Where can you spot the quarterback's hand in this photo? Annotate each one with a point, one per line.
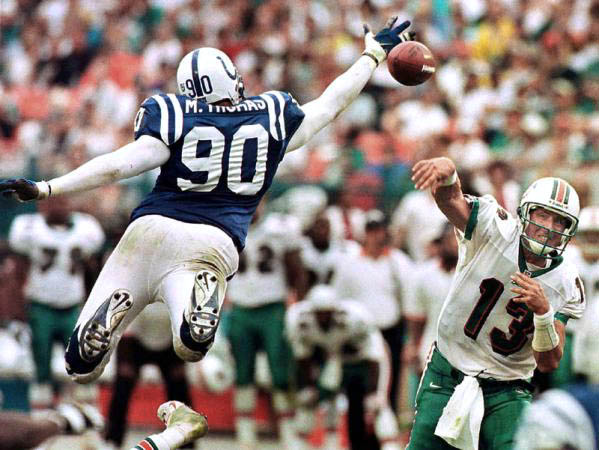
(20, 189)
(431, 173)
(383, 42)
(529, 292)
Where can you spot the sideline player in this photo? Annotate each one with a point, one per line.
(59, 243)
(337, 346)
(269, 268)
(511, 282)
(218, 152)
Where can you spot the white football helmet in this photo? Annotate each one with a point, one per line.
(209, 75)
(588, 230)
(216, 373)
(556, 195)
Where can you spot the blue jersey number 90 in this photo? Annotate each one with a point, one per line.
(212, 164)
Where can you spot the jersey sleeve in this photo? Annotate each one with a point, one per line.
(488, 221)
(92, 235)
(160, 116)
(575, 303)
(288, 114)
(21, 233)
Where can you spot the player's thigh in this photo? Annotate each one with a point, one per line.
(502, 417)
(186, 250)
(275, 344)
(128, 268)
(431, 398)
(244, 343)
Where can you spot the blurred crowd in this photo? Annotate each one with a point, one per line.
(516, 81)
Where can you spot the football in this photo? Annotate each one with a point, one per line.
(411, 63)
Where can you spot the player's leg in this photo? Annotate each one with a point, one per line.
(183, 426)
(503, 410)
(130, 357)
(244, 346)
(42, 322)
(377, 378)
(194, 281)
(434, 391)
(122, 290)
(172, 369)
(278, 352)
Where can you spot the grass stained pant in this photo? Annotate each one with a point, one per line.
(504, 402)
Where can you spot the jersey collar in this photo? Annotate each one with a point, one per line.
(535, 273)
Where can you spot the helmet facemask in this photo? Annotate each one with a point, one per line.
(543, 247)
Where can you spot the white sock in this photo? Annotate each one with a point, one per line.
(169, 439)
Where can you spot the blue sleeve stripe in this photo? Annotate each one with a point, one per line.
(272, 117)
(281, 100)
(163, 118)
(178, 117)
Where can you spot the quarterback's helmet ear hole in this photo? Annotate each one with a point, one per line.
(213, 279)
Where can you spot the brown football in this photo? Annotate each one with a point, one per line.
(411, 63)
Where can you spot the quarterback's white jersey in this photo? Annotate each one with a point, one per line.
(56, 274)
(352, 334)
(481, 331)
(425, 300)
(261, 278)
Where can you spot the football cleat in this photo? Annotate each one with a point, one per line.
(97, 332)
(203, 312)
(190, 424)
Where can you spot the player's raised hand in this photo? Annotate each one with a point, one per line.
(20, 189)
(529, 292)
(431, 173)
(382, 43)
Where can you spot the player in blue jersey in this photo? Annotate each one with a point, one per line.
(218, 152)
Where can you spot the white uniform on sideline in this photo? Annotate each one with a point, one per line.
(261, 276)
(56, 276)
(429, 289)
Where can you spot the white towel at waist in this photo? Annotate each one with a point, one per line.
(459, 424)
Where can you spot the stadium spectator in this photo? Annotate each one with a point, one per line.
(483, 354)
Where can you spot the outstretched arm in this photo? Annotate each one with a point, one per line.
(440, 175)
(144, 154)
(345, 88)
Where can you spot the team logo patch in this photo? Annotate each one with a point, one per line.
(502, 213)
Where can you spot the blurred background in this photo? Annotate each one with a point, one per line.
(515, 97)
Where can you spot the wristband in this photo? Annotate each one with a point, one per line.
(44, 188)
(370, 55)
(545, 337)
(451, 179)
